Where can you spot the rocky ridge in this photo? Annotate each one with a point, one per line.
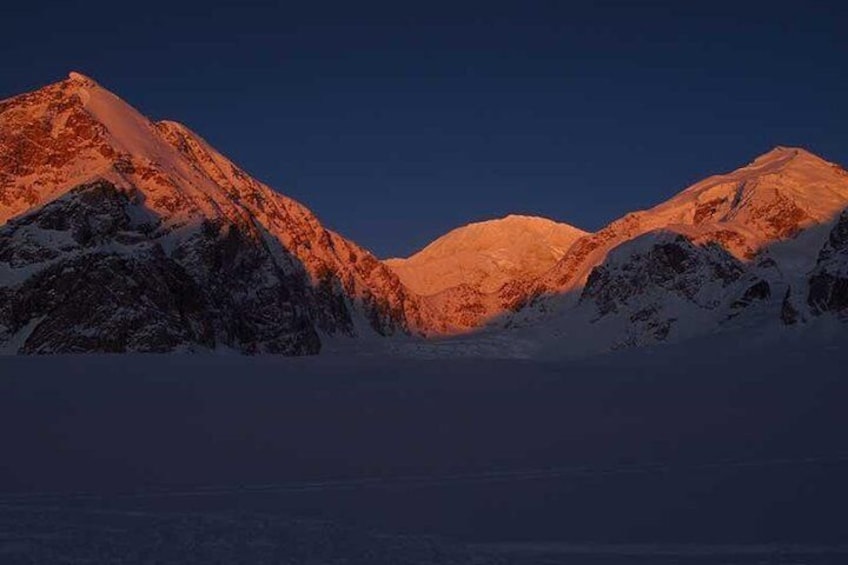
(122, 234)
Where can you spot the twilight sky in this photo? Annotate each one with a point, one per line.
(397, 121)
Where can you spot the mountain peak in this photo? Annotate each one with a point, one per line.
(512, 222)
(782, 155)
(77, 77)
(523, 219)
(779, 154)
(783, 150)
(93, 182)
(487, 254)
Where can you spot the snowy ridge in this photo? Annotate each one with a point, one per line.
(86, 179)
(122, 234)
(782, 193)
(467, 275)
(487, 254)
(620, 287)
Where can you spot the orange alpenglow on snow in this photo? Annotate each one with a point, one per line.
(180, 208)
(487, 255)
(158, 242)
(778, 195)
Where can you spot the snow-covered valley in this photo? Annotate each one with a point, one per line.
(721, 450)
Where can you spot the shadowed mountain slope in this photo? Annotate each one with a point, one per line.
(124, 234)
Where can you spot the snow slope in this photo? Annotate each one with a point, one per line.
(771, 218)
(87, 181)
(656, 275)
(487, 255)
(773, 199)
(468, 276)
(122, 234)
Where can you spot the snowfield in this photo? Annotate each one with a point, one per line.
(727, 449)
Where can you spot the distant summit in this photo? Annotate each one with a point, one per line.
(487, 254)
(80, 78)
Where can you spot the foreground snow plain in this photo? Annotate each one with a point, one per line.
(727, 449)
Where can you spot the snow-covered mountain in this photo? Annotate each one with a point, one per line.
(121, 234)
(744, 248)
(487, 255)
(467, 275)
(780, 194)
(124, 234)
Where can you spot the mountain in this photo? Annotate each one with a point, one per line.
(467, 274)
(780, 194)
(121, 234)
(828, 282)
(758, 247)
(487, 255)
(764, 222)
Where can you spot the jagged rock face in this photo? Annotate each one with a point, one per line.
(763, 218)
(101, 281)
(828, 290)
(774, 198)
(107, 303)
(649, 286)
(330, 260)
(760, 290)
(47, 140)
(120, 234)
(670, 264)
(87, 181)
(789, 314)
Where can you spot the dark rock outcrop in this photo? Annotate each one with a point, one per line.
(113, 288)
(829, 281)
(120, 234)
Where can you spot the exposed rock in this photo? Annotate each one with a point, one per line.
(781, 193)
(789, 315)
(829, 281)
(669, 264)
(760, 290)
(646, 288)
(120, 234)
(125, 235)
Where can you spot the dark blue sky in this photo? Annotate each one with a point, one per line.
(396, 121)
